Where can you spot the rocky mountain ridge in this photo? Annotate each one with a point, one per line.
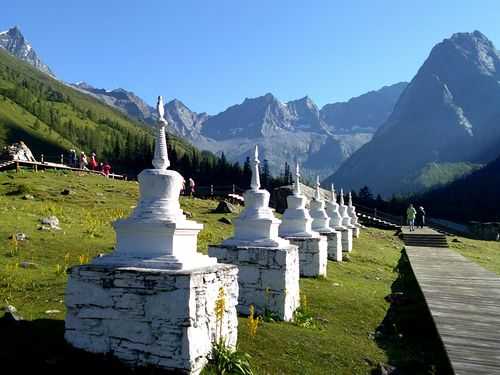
(448, 114)
(14, 42)
(285, 131)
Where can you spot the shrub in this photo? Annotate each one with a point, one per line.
(302, 316)
(225, 360)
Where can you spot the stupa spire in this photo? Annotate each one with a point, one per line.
(341, 197)
(318, 194)
(160, 160)
(255, 183)
(296, 187)
(334, 196)
(350, 200)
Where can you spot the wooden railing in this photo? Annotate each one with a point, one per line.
(43, 163)
(216, 190)
(374, 212)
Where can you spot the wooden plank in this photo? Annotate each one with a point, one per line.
(464, 301)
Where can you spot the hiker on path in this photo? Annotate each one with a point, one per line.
(93, 162)
(191, 186)
(183, 189)
(73, 160)
(83, 161)
(106, 169)
(420, 217)
(410, 216)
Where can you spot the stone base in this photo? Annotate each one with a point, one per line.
(146, 317)
(346, 240)
(355, 232)
(335, 245)
(268, 278)
(313, 255)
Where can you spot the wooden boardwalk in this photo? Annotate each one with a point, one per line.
(464, 301)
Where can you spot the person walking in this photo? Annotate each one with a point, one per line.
(106, 169)
(191, 187)
(83, 161)
(73, 163)
(183, 189)
(93, 162)
(420, 217)
(410, 216)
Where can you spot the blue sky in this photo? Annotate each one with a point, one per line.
(213, 54)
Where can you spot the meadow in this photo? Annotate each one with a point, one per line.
(352, 328)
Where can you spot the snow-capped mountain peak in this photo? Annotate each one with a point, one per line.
(14, 42)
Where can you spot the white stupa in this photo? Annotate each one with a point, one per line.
(351, 211)
(332, 210)
(321, 221)
(297, 221)
(256, 226)
(346, 219)
(157, 235)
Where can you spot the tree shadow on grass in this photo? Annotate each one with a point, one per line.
(408, 334)
(39, 345)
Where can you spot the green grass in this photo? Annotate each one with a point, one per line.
(485, 253)
(348, 306)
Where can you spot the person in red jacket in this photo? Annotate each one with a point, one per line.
(106, 169)
(93, 162)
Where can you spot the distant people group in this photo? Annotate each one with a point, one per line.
(83, 162)
(415, 217)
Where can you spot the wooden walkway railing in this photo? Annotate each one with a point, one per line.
(464, 301)
(11, 164)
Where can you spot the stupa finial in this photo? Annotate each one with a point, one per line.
(296, 186)
(255, 183)
(318, 194)
(334, 196)
(160, 160)
(341, 197)
(350, 199)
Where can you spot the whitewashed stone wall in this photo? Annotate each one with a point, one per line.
(313, 255)
(335, 245)
(268, 277)
(346, 240)
(150, 317)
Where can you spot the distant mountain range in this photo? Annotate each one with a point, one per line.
(401, 138)
(320, 139)
(448, 116)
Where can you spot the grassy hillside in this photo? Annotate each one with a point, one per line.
(485, 253)
(354, 328)
(437, 174)
(472, 197)
(52, 117)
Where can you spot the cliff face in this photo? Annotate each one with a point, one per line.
(449, 113)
